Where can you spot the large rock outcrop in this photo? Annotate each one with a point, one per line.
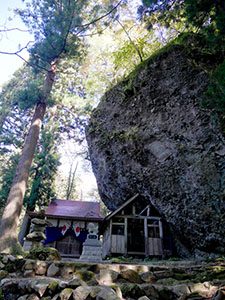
(150, 135)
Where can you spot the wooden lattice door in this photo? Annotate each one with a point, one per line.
(69, 246)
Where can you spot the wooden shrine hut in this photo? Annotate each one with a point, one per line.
(136, 228)
(69, 222)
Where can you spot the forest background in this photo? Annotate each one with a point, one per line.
(79, 50)
(67, 173)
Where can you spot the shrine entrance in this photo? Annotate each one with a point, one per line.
(69, 246)
(135, 236)
(135, 228)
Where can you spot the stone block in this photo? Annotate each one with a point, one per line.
(3, 274)
(24, 297)
(66, 294)
(40, 267)
(107, 293)
(53, 270)
(33, 297)
(148, 277)
(81, 293)
(29, 273)
(108, 276)
(131, 276)
(29, 265)
(67, 271)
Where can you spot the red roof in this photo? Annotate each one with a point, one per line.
(74, 209)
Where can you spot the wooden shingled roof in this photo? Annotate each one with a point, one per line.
(74, 209)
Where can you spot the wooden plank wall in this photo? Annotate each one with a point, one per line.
(118, 244)
(155, 246)
(106, 246)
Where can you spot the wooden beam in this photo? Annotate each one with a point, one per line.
(147, 207)
(133, 209)
(160, 229)
(125, 236)
(146, 236)
(139, 217)
(161, 237)
(121, 207)
(110, 236)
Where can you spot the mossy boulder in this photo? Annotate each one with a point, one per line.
(67, 270)
(44, 253)
(131, 290)
(75, 282)
(85, 275)
(66, 294)
(131, 276)
(148, 277)
(53, 287)
(3, 274)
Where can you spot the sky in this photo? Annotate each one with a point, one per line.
(10, 41)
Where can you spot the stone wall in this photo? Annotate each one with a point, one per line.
(34, 279)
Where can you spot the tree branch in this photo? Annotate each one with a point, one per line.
(103, 16)
(18, 51)
(13, 29)
(132, 42)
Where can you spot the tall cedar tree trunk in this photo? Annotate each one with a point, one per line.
(14, 204)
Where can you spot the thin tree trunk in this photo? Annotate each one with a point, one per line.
(132, 42)
(24, 228)
(10, 217)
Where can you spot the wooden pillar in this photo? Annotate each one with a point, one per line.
(110, 236)
(125, 235)
(161, 237)
(160, 229)
(55, 243)
(146, 236)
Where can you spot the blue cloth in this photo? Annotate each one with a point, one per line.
(82, 236)
(55, 234)
(52, 234)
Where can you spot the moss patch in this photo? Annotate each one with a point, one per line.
(44, 253)
(132, 291)
(3, 274)
(53, 286)
(1, 295)
(85, 275)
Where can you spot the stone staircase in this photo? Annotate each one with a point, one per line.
(35, 279)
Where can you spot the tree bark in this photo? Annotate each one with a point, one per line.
(11, 214)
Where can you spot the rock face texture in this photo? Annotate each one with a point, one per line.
(150, 135)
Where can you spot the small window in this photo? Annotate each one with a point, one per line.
(118, 220)
(153, 222)
(118, 229)
(153, 232)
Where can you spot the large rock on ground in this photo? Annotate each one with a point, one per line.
(150, 135)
